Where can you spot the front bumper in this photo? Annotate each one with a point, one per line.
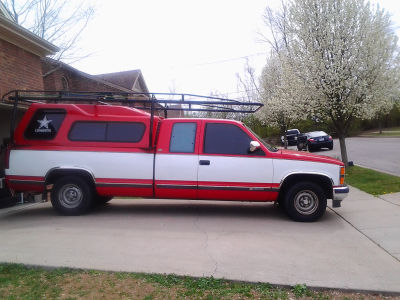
(327, 144)
(340, 192)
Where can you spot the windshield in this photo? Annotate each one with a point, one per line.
(268, 146)
(292, 131)
(316, 133)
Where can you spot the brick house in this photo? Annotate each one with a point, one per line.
(20, 64)
(20, 53)
(24, 66)
(58, 76)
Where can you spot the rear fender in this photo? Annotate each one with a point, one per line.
(54, 174)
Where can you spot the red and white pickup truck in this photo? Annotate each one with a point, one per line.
(88, 153)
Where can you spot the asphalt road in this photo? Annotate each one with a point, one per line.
(240, 241)
(382, 154)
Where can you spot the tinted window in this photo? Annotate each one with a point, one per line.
(45, 124)
(183, 137)
(125, 132)
(293, 131)
(88, 131)
(226, 139)
(107, 132)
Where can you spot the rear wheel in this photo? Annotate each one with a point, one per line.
(305, 202)
(71, 196)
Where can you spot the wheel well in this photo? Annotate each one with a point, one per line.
(323, 181)
(56, 174)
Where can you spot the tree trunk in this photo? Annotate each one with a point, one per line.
(343, 150)
(285, 142)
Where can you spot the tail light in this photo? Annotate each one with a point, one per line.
(311, 140)
(330, 138)
(342, 172)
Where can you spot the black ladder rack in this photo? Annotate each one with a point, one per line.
(146, 101)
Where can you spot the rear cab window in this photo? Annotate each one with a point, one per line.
(183, 138)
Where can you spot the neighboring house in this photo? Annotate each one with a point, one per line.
(58, 76)
(132, 80)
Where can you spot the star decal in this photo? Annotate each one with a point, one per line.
(44, 123)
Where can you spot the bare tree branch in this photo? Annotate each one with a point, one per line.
(58, 21)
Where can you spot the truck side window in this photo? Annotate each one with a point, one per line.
(45, 124)
(183, 137)
(123, 132)
(88, 131)
(226, 139)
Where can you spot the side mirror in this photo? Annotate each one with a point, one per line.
(254, 145)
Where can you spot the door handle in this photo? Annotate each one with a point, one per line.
(204, 162)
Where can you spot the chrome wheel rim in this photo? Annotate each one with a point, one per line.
(306, 202)
(70, 196)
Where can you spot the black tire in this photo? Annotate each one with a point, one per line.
(309, 148)
(330, 147)
(301, 146)
(6, 200)
(305, 202)
(101, 200)
(72, 196)
(281, 202)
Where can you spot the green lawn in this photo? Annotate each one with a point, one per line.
(371, 181)
(20, 282)
(386, 132)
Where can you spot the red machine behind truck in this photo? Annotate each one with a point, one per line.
(88, 153)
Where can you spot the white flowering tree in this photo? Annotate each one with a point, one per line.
(280, 89)
(346, 55)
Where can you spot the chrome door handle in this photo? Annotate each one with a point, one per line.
(204, 162)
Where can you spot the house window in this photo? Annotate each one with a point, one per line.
(123, 132)
(65, 85)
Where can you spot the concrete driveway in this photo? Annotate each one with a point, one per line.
(242, 241)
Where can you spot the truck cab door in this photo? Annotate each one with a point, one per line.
(176, 159)
(228, 170)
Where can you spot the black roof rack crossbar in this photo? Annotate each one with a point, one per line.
(154, 101)
(194, 101)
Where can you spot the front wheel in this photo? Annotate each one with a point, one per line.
(305, 202)
(71, 196)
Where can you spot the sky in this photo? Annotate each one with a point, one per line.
(182, 46)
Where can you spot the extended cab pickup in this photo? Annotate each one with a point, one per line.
(85, 153)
